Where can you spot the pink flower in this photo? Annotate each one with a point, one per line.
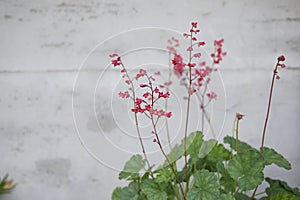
(146, 95)
(281, 58)
(191, 91)
(201, 44)
(189, 48)
(128, 82)
(164, 95)
(194, 24)
(219, 42)
(197, 55)
(147, 107)
(211, 95)
(138, 101)
(186, 35)
(141, 73)
(143, 85)
(124, 94)
(113, 55)
(191, 64)
(282, 65)
(168, 114)
(135, 110)
(178, 64)
(117, 61)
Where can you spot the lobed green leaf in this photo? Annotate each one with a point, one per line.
(278, 186)
(272, 157)
(247, 168)
(205, 186)
(243, 146)
(152, 190)
(130, 192)
(132, 168)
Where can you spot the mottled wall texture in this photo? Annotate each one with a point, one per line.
(43, 43)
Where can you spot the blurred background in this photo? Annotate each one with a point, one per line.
(44, 43)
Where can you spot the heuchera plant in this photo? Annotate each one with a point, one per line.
(210, 170)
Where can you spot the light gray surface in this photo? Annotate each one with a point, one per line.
(44, 42)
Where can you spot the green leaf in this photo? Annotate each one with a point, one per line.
(228, 183)
(175, 154)
(206, 148)
(205, 186)
(247, 168)
(272, 157)
(218, 153)
(152, 190)
(132, 167)
(243, 146)
(130, 192)
(164, 175)
(116, 193)
(240, 196)
(226, 197)
(278, 186)
(283, 196)
(194, 143)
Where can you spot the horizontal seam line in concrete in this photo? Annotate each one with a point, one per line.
(99, 70)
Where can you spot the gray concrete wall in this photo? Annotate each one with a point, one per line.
(43, 43)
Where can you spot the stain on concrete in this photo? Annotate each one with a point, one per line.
(103, 119)
(7, 17)
(273, 20)
(53, 171)
(294, 43)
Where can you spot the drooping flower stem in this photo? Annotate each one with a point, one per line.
(268, 110)
(275, 76)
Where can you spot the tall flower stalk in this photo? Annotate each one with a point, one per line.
(195, 79)
(279, 63)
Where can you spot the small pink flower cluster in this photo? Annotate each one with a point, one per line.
(116, 60)
(146, 103)
(197, 73)
(280, 63)
(150, 97)
(218, 55)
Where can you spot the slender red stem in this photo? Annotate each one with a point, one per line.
(165, 155)
(187, 115)
(267, 118)
(268, 110)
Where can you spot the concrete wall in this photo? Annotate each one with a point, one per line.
(43, 43)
